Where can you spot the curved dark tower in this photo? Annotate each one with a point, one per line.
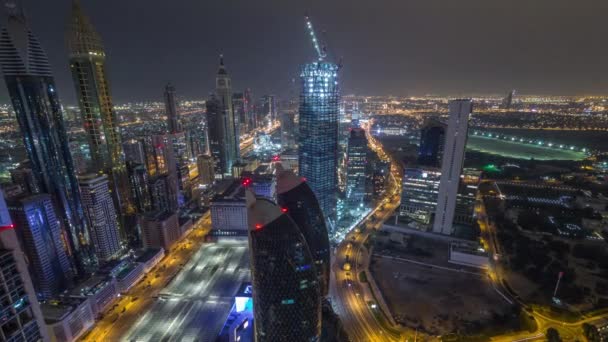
(298, 201)
(286, 294)
(33, 93)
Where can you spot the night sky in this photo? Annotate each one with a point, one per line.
(400, 47)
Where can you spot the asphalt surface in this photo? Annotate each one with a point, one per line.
(194, 306)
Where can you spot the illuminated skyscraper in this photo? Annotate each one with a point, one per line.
(40, 234)
(230, 139)
(87, 62)
(173, 123)
(299, 202)
(318, 140)
(286, 293)
(162, 168)
(100, 211)
(453, 160)
(432, 141)
(21, 316)
(31, 87)
(216, 129)
(356, 166)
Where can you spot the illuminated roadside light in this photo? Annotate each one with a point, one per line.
(258, 226)
(283, 210)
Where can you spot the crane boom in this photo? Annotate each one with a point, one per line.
(315, 42)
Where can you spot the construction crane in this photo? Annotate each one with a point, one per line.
(321, 51)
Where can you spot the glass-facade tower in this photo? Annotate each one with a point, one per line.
(318, 140)
(32, 90)
(286, 293)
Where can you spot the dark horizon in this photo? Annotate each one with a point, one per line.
(398, 48)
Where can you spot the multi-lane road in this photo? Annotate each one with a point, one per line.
(350, 297)
(196, 303)
(128, 309)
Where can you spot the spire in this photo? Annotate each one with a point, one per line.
(222, 69)
(14, 10)
(82, 38)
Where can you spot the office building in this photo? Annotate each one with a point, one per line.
(298, 201)
(161, 163)
(103, 221)
(69, 318)
(419, 195)
(286, 293)
(218, 140)
(229, 211)
(356, 168)
(268, 110)
(159, 230)
(318, 138)
(240, 107)
(138, 178)
(250, 111)
(158, 188)
(206, 169)
(173, 120)
(224, 131)
(22, 319)
(33, 93)
(453, 160)
(135, 151)
(288, 129)
(40, 233)
(87, 63)
(432, 141)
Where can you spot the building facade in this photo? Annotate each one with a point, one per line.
(419, 194)
(453, 160)
(40, 233)
(173, 120)
(356, 168)
(318, 138)
(286, 293)
(87, 63)
(299, 202)
(101, 214)
(230, 143)
(432, 141)
(33, 93)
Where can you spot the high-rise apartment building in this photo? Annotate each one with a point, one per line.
(356, 168)
(33, 93)
(286, 293)
(432, 141)
(318, 138)
(40, 233)
(453, 160)
(173, 120)
(206, 169)
(299, 202)
(103, 221)
(87, 63)
(21, 316)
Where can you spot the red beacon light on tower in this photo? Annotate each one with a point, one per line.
(246, 182)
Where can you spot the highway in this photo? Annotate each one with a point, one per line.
(347, 293)
(196, 303)
(119, 318)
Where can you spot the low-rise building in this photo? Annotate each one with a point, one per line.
(100, 290)
(68, 318)
(469, 254)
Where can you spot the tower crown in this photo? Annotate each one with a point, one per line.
(82, 38)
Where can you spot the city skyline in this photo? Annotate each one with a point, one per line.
(415, 61)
